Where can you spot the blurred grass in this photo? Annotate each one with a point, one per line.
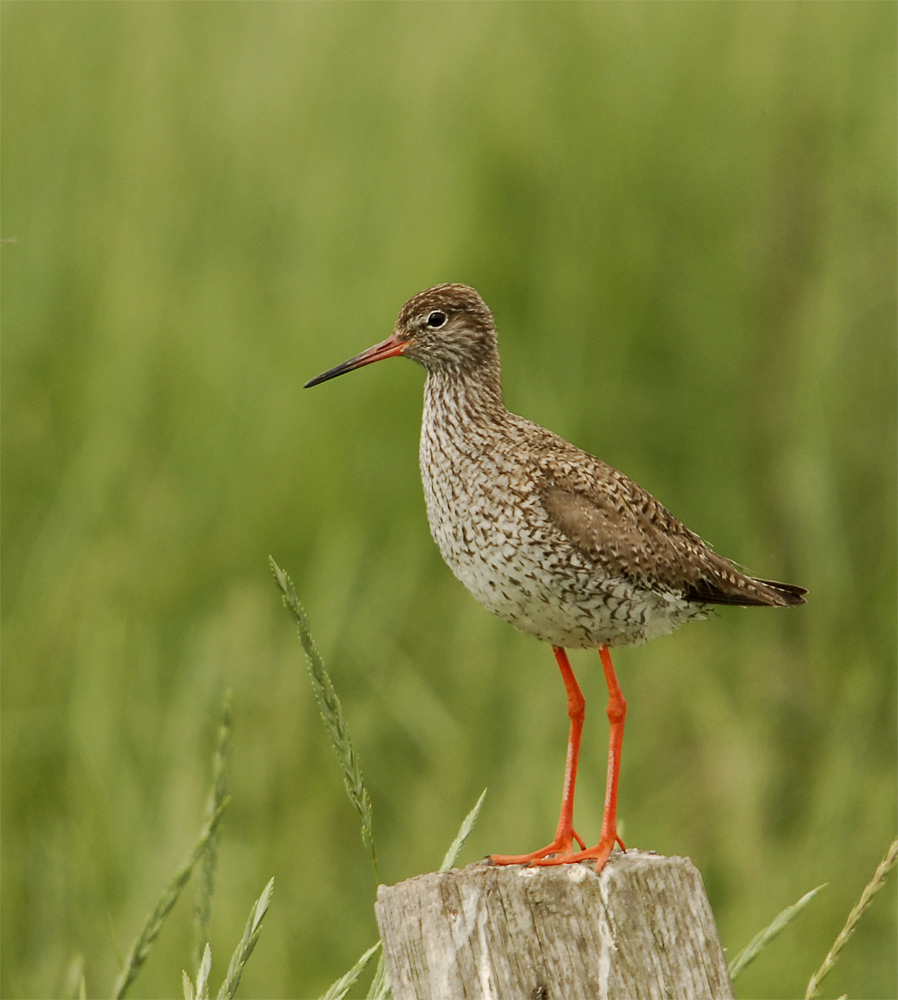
(684, 218)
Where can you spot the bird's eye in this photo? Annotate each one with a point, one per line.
(436, 319)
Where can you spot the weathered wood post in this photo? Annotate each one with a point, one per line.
(643, 928)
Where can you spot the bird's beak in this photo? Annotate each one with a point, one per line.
(389, 348)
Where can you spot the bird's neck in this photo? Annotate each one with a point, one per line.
(462, 397)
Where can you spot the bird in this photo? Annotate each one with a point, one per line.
(552, 540)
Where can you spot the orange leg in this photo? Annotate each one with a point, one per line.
(563, 844)
(617, 711)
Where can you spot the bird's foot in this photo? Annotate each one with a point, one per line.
(600, 854)
(562, 848)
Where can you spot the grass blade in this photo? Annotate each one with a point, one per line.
(201, 990)
(202, 975)
(245, 947)
(144, 941)
(463, 834)
(339, 989)
(857, 911)
(760, 941)
(206, 873)
(331, 713)
(380, 984)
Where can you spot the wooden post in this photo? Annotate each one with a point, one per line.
(641, 929)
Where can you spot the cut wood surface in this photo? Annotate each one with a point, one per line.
(643, 928)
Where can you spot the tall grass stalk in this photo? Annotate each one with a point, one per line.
(199, 990)
(857, 911)
(217, 794)
(246, 944)
(331, 713)
(150, 931)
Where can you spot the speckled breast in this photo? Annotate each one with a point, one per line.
(493, 532)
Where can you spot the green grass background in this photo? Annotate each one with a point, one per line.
(683, 216)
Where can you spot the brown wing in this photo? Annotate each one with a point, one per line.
(620, 526)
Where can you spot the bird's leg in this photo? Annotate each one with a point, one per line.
(617, 711)
(565, 835)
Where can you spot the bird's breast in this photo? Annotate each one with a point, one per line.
(490, 525)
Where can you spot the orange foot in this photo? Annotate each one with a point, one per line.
(562, 854)
(562, 847)
(600, 854)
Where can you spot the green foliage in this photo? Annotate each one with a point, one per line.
(206, 875)
(857, 911)
(144, 941)
(344, 984)
(683, 216)
(246, 944)
(202, 859)
(464, 832)
(199, 990)
(763, 938)
(331, 714)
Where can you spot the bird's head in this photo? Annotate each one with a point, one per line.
(444, 328)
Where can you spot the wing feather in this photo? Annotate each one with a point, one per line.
(626, 532)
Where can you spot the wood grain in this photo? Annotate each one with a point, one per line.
(641, 929)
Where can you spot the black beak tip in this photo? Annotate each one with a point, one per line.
(325, 376)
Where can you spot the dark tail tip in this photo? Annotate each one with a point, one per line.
(790, 594)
